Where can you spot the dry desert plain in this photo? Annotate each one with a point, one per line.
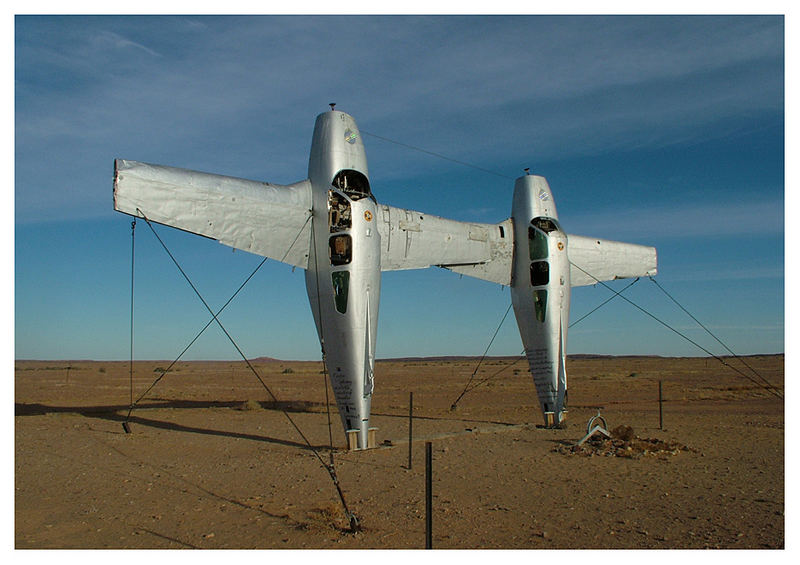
(212, 462)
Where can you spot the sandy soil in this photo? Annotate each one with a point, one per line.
(212, 463)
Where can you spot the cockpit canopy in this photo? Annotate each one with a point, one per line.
(353, 183)
(538, 232)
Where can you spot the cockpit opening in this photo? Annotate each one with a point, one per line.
(341, 249)
(540, 273)
(545, 224)
(339, 213)
(354, 184)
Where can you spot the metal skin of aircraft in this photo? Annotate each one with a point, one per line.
(331, 225)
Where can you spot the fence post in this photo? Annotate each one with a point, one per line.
(660, 408)
(410, 425)
(428, 495)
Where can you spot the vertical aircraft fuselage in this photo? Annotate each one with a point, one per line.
(343, 278)
(540, 291)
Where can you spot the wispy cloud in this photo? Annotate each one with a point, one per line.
(109, 39)
(690, 219)
(238, 95)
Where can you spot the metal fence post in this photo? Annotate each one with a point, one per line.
(428, 495)
(410, 424)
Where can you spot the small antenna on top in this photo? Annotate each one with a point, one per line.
(527, 170)
(332, 105)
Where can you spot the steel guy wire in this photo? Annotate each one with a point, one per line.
(771, 390)
(211, 321)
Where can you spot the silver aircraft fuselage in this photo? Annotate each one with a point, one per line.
(343, 278)
(540, 291)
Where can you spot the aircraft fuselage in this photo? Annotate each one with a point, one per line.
(343, 278)
(540, 291)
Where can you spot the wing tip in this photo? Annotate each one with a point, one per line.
(116, 182)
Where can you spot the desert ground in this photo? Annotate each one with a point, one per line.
(213, 462)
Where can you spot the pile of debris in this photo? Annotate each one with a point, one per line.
(621, 442)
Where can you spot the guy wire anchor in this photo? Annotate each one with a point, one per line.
(592, 428)
(354, 525)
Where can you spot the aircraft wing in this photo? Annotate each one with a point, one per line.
(413, 240)
(593, 260)
(266, 219)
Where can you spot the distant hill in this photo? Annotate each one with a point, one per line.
(439, 358)
(435, 358)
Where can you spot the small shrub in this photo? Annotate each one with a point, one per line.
(625, 433)
(249, 405)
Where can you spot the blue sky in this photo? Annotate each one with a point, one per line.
(665, 131)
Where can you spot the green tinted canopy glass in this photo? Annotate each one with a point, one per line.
(537, 244)
(341, 284)
(540, 304)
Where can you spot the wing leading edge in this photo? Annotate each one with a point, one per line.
(266, 219)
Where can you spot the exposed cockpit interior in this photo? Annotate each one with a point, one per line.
(354, 184)
(339, 213)
(341, 249)
(545, 224)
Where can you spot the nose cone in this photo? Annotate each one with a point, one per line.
(336, 145)
(532, 198)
